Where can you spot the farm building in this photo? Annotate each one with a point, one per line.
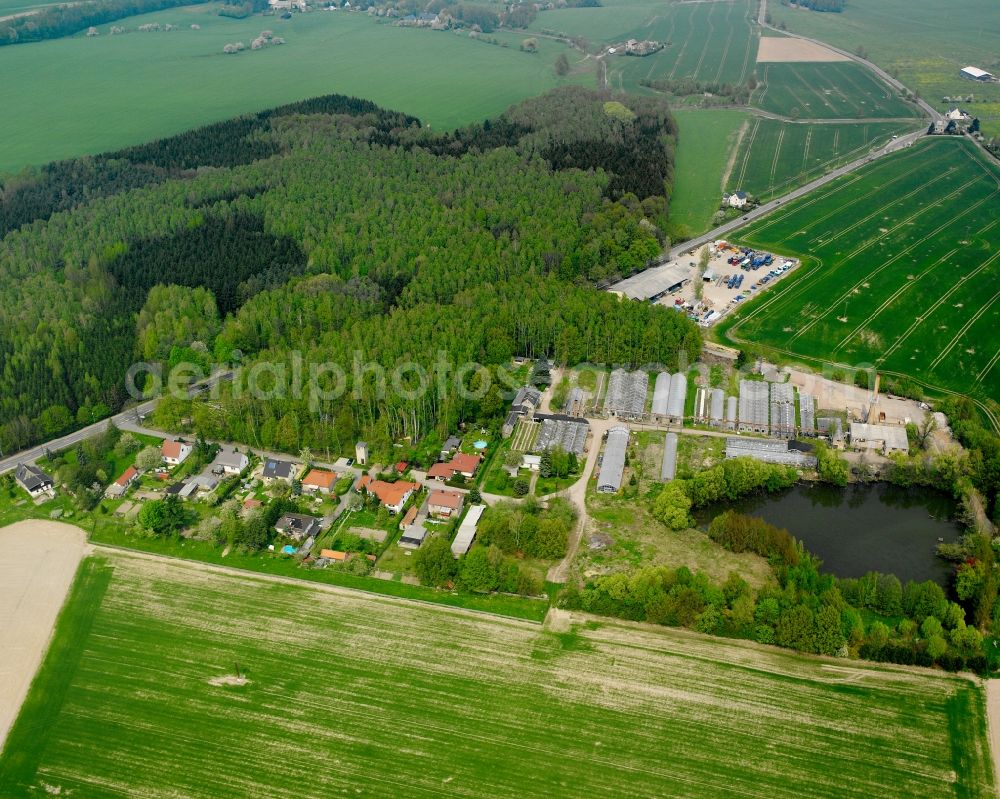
(975, 73)
(731, 412)
(609, 481)
(568, 432)
(669, 468)
(297, 526)
(677, 398)
(787, 453)
(444, 504)
(885, 437)
(467, 531)
(531, 462)
(661, 393)
(831, 427)
(574, 402)
(753, 416)
(175, 453)
(413, 536)
(716, 411)
(807, 414)
(319, 481)
(782, 410)
(33, 480)
(626, 397)
(654, 282)
(122, 484)
(275, 470)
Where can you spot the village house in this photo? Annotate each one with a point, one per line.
(175, 452)
(462, 464)
(392, 495)
(738, 199)
(229, 461)
(319, 481)
(444, 504)
(123, 483)
(297, 526)
(33, 480)
(275, 471)
(452, 444)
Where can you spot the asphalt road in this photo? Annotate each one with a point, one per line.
(126, 420)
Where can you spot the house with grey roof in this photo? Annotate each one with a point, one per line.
(33, 480)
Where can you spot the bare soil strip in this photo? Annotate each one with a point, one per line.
(777, 49)
(37, 565)
(993, 719)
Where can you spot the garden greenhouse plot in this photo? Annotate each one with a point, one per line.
(844, 90)
(903, 267)
(168, 678)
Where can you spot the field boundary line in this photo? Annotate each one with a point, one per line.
(889, 262)
(729, 42)
(239, 571)
(989, 366)
(754, 36)
(964, 329)
(937, 304)
(708, 39)
(680, 53)
(777, 154)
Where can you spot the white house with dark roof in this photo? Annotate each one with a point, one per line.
(33, 480)
(275, 470)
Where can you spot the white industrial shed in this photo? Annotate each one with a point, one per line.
(717, 407)
(467, 531)
(887, 437)
(626, 395)
(975, 73)
(609, 480)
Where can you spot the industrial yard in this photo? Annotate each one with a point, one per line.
(708, 290)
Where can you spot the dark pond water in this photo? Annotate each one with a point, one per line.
(853, 530)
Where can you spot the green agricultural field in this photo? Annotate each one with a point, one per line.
(838, 90)
(164, 679)
(903, 265)
(708, 41)
(925, 42)
(776, 157)
(704, 147)
(80, 95)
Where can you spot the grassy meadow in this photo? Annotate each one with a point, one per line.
(79, 95)
(775, 157)
(902, 271)
(705, 142)
(925, 42)
(838, 90)
(164, 679)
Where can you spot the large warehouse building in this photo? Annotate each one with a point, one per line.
(975, 73)
(654, 282)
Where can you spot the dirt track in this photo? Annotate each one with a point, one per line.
(993, 718)
(37, 567)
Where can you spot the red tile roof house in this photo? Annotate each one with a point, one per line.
(466, 465)
(121, 485)
(440, 471)
(392, 495)
(319, 481)
(175, 452)
(444, 504)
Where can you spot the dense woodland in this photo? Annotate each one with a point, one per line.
(339, 230)
(56, 21)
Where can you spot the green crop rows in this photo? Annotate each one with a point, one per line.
(903, 271)
(143, 695)
(775, 157)
(838, 90)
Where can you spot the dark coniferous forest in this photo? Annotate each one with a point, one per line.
(333, 227)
